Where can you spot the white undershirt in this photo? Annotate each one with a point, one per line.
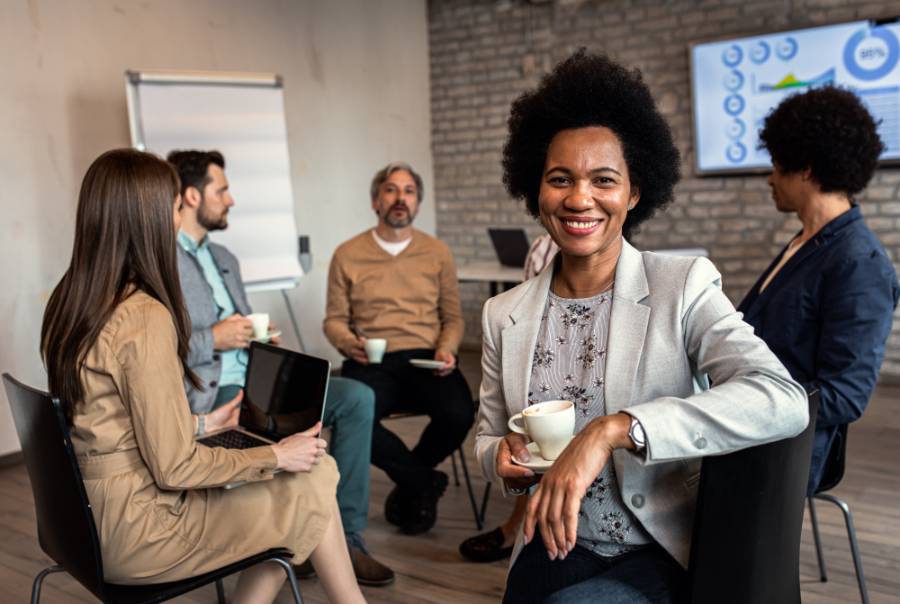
(392, 248)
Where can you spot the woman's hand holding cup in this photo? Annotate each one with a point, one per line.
(301, 451)
(513, 475)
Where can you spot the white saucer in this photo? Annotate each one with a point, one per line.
(537, 463)
(427, 364)
(268, 337)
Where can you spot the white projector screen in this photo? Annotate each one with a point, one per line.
(736, 82)
(241, 115)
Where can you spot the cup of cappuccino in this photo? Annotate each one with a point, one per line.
(375, 348)
(550, 424)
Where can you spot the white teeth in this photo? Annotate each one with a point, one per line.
(581, 225)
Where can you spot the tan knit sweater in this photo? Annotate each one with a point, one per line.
(411, 299)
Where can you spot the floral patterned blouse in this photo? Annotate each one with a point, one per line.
(569, 363)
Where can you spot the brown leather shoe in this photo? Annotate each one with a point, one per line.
(368, 570)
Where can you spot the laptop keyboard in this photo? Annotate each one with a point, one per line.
(232, 440)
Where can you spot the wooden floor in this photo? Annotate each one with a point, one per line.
(429, 568)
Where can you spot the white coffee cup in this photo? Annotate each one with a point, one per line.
(550, 424)
(260, 324)
(375, 348)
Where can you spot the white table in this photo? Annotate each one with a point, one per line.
(491, 272)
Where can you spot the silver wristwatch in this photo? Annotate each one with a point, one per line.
(636, 434)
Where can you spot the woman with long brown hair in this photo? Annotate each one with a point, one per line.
(114, 341)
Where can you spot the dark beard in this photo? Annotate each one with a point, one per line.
(210, 223)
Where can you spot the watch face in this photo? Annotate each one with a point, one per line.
(636, 433)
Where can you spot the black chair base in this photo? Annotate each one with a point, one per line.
(161, 592)
(477, 512)
(851, 536)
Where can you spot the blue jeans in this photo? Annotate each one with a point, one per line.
(349, 412)
(645, 576)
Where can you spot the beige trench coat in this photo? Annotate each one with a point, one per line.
(153, 490)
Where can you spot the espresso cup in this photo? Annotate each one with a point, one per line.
(260, 322)
(550, 424)
(375, 348)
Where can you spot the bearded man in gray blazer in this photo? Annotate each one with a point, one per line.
(220, 334)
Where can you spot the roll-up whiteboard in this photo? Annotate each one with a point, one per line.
(241, 115)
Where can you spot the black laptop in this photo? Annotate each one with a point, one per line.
(278, 381)
(511, 246)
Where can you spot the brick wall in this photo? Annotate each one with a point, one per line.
(484, 53)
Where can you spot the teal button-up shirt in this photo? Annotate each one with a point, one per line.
(234, 362)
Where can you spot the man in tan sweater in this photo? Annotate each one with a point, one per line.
(397, 283)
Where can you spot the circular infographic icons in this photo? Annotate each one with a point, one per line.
(759, 52)
(871, 54)
(736, 152)
(732, 55)
(734, 79)
(734, 104)
(735, 129)
(786, 49)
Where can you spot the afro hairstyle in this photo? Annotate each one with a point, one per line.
(583, 91)
(828, 131)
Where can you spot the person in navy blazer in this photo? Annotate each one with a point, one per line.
(825, 304)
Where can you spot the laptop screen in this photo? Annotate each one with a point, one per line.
(511, 246)
(283, 381)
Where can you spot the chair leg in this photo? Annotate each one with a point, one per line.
(292, 579)
(479, 520)
(220, 591)
(484, 502)
(453, 464)
(39, 579)
(823, 573)
(854, 546)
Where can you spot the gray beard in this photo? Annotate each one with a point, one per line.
(399, 223)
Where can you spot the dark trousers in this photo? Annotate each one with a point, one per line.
(645, 576)
(400, 387)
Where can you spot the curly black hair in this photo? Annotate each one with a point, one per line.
(592, 90)
(829, 131)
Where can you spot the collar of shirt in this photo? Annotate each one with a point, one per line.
(189, 245)
(833, 227)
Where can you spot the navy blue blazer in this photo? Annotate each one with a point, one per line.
(826, 315)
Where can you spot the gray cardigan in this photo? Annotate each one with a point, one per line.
(204, 313)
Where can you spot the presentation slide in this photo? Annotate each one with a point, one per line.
(737, 82)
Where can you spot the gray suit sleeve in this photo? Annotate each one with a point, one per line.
(753, 399)
(492, 405)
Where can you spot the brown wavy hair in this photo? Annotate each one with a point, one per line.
(124, 240)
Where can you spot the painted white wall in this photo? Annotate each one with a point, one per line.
(356, 95)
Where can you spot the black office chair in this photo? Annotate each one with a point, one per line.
(834, 472)
(745, 547)
(477, 513)
(66, 529)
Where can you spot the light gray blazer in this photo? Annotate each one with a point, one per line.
(204, 313)
(672, 332)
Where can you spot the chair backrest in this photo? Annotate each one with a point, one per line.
(746, 540)
(836, 461)
(66, 529)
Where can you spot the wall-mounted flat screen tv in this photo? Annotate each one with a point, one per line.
(736, 82)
